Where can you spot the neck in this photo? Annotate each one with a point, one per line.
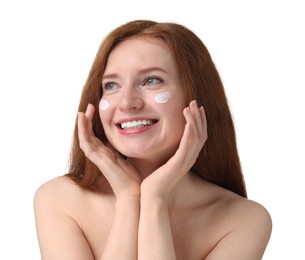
(185, 193)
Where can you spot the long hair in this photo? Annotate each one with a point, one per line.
(218, 161)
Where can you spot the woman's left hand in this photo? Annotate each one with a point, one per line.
(162, 181)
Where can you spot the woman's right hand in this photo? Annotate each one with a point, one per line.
(122, 176)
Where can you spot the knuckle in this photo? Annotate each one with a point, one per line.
(89, 152)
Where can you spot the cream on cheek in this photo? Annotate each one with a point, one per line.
(104, 105)
(163, 98)
(104, 117)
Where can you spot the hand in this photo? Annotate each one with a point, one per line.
(122, 176)
(162, 181)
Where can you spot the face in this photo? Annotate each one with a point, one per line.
(142, 103)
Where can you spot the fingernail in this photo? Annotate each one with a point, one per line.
(195, 103)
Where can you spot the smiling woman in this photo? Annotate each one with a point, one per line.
(154, 172)
(131, 90)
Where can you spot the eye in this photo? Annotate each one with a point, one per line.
(110, 86)
(152, 81)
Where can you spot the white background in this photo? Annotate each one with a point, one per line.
(46, 51)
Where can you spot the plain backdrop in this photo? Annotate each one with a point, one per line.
(46, 51)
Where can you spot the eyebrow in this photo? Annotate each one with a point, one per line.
(141, 71)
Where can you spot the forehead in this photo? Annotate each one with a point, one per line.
(145, 52)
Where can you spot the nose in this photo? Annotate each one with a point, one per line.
(132, 99)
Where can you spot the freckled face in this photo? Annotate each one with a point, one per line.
(141, 87)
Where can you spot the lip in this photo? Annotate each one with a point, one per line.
(136, 130)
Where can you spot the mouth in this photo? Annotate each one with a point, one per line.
(134, 124)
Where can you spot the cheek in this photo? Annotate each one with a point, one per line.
(168, 101)
(163, 98)
(171, 107)
(104, 112)
(104, 104)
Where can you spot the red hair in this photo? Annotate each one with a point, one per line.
(218, 161)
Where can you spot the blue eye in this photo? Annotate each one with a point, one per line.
(110, 86)
(152, 81)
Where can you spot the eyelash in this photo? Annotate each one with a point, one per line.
(107, 85)
(152, 78)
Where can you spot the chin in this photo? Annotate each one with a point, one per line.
(156, 155)
(147, 149)
(134, 154)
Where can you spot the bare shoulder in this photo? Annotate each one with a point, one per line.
(251, 215)
(57, 189)
(58, 195)
(56, 205)
(248, 228)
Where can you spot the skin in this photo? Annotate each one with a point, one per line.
(158, 209)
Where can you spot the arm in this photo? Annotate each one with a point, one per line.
(124, 180)
(155, 237)
(123, 237)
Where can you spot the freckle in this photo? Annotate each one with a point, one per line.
(163, 97)
(103, 104)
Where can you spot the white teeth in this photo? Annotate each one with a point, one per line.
(136, 124)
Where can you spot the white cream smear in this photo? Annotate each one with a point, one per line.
(103, 104)
(163, 97)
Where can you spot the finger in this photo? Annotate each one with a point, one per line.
(200, 121)
(83, 136)
(186, 143)
(88, 141)
(204, 123)
(193, 140)
(89, 112)
(82, 127)
(197, 117)
(188, 116)
(89, 115)
(190, 119)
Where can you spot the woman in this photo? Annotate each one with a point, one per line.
(154, 171)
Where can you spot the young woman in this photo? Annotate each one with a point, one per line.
(155, 172)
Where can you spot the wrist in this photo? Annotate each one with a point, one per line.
(127, 198)
(127, 204)
(154, 192)
(150, 200)
(129, 193)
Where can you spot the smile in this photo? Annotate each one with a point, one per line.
(136, 124)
